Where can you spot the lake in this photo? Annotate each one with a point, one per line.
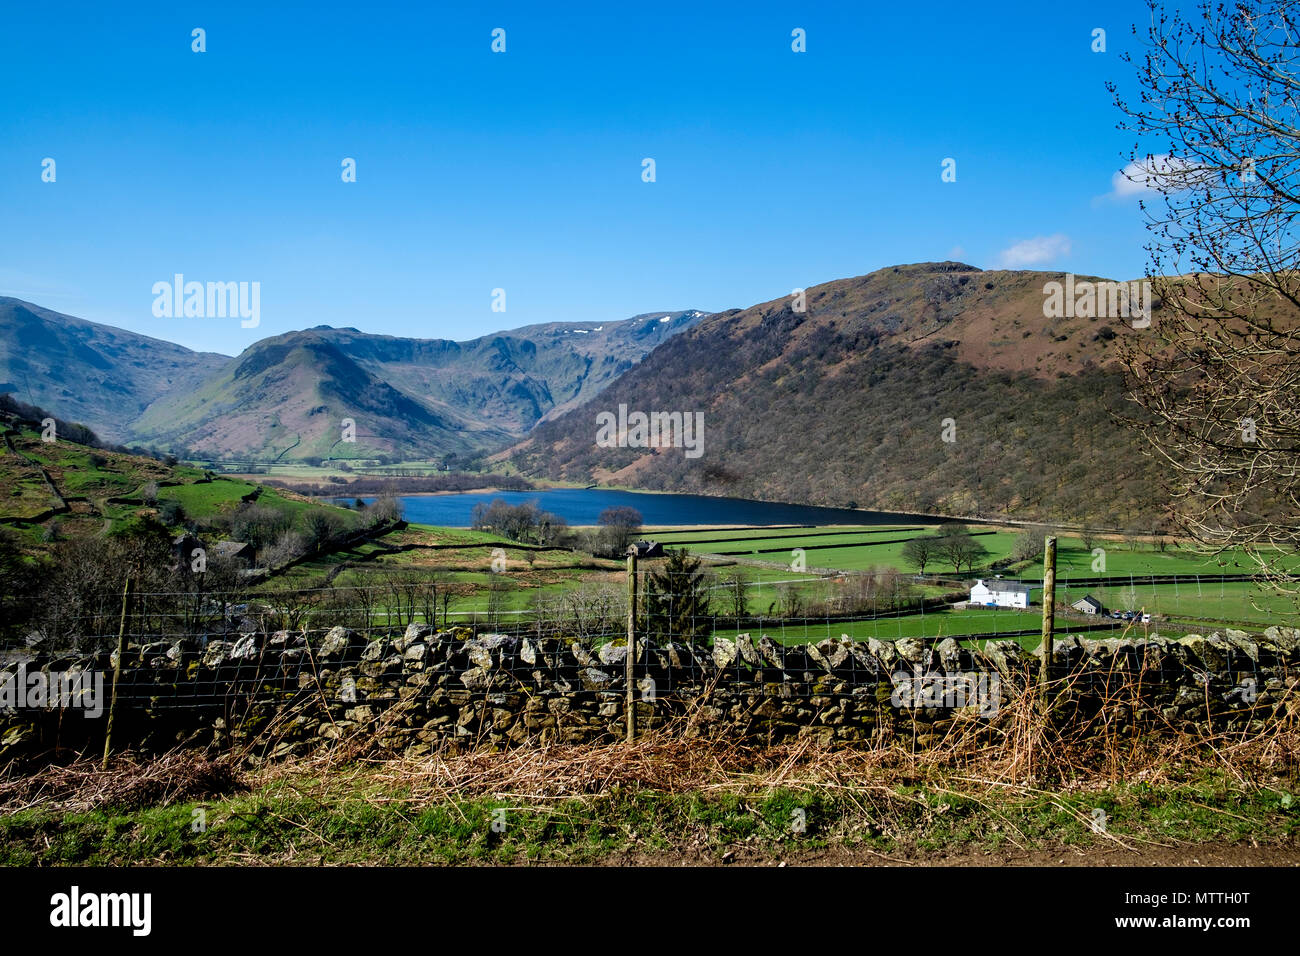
(582, 506)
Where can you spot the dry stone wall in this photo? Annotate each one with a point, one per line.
(282, 694)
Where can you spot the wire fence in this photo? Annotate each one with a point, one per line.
(788, 608)
(230, 685)
(224, 650)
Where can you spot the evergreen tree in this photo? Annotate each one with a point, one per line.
(676, 599)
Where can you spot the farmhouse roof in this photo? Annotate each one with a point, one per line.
(1007, 587)
(232, 549)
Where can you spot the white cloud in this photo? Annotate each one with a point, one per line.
(1032, 252)
(1161, 173)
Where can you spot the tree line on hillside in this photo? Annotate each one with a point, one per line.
(277, 535)
(71, 597)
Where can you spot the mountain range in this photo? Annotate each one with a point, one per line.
(286, 397)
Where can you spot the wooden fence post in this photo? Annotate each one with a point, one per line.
(1049, 615)
(631, 645)
(117, 669)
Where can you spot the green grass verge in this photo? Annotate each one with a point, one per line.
(296, 821)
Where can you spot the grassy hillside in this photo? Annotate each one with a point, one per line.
(91, 373)
(845, 404)
(65, 491)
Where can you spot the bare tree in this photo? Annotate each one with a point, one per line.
(1029, 544)
(496, 599)
(1217, 374)
(546, 609)
(428, 597)
(404, 587)
(289, 545)
(958, 547)
(970, 552)
(789, 599)
(593, 610)
(735, 591)
(288, 607)
(387, 507)
(919, 551)
(445, 598)
(620, 525)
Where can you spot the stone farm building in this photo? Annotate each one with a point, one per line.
(648, 549)
(239, 551)
(999, 593)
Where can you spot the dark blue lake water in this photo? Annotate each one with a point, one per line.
(580, 506)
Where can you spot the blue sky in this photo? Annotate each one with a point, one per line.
(523, 170)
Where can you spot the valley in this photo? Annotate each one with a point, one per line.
(361, 506)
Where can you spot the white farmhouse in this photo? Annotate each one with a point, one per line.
(999, 593)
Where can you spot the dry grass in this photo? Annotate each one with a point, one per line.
(128, 783)
(1026, 752)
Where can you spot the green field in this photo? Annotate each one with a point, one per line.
(1239, 602)
(857, 556)
(209, 498)
(868, 547)
(781, 536)
(1177, 609)
(943, 623)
